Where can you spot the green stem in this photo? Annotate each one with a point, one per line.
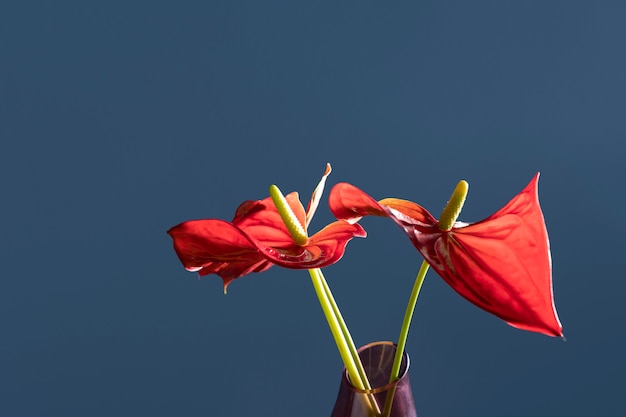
(346, 333)
(406, 323)
(338, 327)
(343, 339)
(404, 333)
(446, 222)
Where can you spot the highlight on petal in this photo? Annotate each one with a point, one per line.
(501, 264)
(324, 248)
(349, 203)
(409, 211)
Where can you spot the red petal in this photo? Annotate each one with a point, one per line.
(500, 264)
(216, 246)
(324, 248)
(260, 220)
(509, 254)
(408, 212)
(349, 203)
(256, 240)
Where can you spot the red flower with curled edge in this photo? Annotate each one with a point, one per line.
(257, 238)
(501, 264)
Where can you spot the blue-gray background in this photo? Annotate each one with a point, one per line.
(120, 119)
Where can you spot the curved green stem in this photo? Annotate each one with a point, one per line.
(446, 222)
(404, 333)
(408, 316)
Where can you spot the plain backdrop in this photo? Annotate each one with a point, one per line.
(119, 120)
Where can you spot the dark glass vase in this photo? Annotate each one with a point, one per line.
(377, 359)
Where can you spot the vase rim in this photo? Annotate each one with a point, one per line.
(383, 387)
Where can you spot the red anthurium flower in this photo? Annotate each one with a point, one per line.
(501, 264)
(257, 238)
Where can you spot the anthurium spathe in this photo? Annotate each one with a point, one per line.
(257, 238)
(501, 264)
